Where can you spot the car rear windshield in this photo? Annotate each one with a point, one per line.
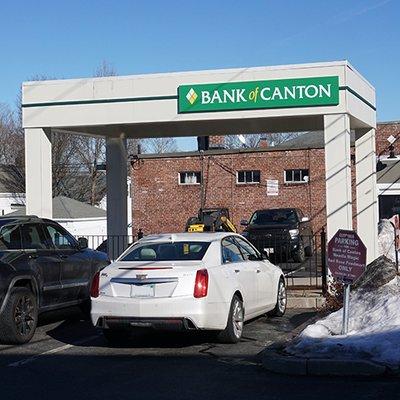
(167, 251)
(268, 217)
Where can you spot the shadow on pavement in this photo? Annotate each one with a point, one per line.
(72, 330)
(135, 376)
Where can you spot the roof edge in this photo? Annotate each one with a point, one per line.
(344, 63)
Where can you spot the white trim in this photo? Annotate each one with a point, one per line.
(79, 219)
(387, 158)
(388, 189)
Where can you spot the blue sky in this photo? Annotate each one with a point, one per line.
(69, 39)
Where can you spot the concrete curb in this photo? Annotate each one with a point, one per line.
(305, 302)
(275, 360)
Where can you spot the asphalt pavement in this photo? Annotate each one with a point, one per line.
(69, 359)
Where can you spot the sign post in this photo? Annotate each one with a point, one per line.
(346, 300)
(347, 257)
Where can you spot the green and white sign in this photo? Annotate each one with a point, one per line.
(280, 93)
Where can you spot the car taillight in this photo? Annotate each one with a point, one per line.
(94, 289)
(201, 284)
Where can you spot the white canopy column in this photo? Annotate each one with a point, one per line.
(338, 173)
(117, 207)
(38, 172)
(367, 204)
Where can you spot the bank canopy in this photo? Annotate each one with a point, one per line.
(329, 96)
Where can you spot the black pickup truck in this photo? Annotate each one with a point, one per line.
(281, 232)
(42, 267)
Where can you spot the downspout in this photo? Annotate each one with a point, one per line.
(202, 180)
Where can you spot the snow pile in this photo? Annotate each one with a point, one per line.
(386, 244)
(374, 329)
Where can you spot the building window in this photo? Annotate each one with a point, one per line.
(252, 176)
(189, 178)
(297, 176)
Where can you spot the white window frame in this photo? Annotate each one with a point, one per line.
(301, 182)
(189, 183)
(248, 183)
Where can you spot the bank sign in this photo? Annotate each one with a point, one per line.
(280, 93)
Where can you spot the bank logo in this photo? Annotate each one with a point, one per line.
(191, 96)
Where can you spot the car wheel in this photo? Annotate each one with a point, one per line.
(299, 256)
(19, 319)
(234, 328)
(115, 336)
(281, 301)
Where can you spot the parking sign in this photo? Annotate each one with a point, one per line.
(347, 256)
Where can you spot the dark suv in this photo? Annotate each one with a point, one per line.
(281, 232)
(42, 267)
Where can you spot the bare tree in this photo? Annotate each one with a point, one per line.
(12, 157)
(105, 68)
(253, 139)
(232, 141)
(159, 145)
(90, 153)
(11, 136)
(275, 139)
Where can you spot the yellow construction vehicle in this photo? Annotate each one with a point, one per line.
(211, 220)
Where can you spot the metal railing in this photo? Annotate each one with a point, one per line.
(302, 260)
(113, 245)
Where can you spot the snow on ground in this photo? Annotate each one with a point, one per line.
(374, 329)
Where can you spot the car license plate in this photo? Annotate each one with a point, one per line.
(269, 250)
(142, 291)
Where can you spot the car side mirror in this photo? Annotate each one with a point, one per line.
(244, 222)
(264, 255)
(305, 219)
(83, 243)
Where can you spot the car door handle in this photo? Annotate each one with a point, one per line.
(63, 256)
(237, 270)
(32, 256)
(258, 271)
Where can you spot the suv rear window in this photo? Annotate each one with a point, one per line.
(10, 236)
(266, 217)
(167, 251)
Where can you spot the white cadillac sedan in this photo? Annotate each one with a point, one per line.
(187, 281)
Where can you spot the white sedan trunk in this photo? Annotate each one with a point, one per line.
(150, 279)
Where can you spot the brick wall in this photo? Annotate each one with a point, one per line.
(160, 204)
(383, 131)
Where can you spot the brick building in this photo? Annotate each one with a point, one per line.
(167, 188)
